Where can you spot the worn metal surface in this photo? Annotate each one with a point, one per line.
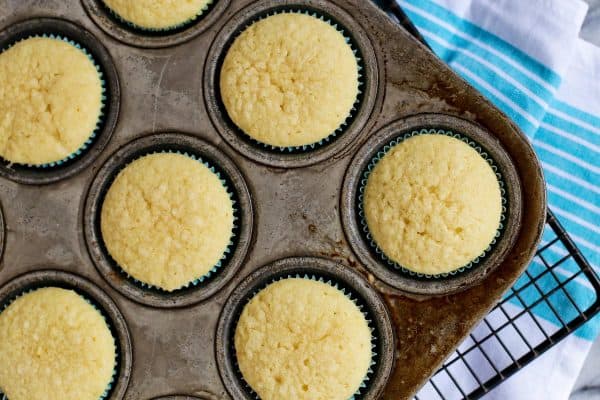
(296, 211)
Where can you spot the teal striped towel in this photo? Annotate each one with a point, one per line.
(526, 56)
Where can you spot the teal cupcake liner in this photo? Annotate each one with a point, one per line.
(363, 221)
(96, 130)
(109, 387)
(202, 12)
(347, 293)
(361, 83)
(226, 253)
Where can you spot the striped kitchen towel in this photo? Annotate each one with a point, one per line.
(527, 58)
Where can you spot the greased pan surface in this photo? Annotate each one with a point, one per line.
(296, 202)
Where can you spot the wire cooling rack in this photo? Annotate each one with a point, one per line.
(547, 300)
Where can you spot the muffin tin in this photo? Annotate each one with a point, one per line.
(291, 204)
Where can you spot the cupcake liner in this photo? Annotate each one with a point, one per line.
(347, 292)
(226, 253)
(93, 134)
(363, 221)
(8, 302)
(203, 11)
(361, 83)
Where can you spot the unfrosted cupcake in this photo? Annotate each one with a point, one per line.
(158, 14)
(289, 80)
(303, 339)
(432, 204)
(50, 102)
(167, 220)
(55, 346)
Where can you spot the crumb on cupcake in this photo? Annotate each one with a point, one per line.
(303, 339)
(432, 204)
(289, 80)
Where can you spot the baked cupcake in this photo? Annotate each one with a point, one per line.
(303, 339)
(167, 220)
(289, 80)
(432, 204)
(50, 103)
(157, 15)
(55, 346)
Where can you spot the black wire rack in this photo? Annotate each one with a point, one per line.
(546, 302)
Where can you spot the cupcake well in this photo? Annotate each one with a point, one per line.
(103, 99)
(361, 79)
(352, 285)
(51, 279)
(287, 158)
(363, 222)
(242, 233)
(232, 241)
(103, 60)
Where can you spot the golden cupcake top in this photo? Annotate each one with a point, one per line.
(50, 101)
(55, 346)
(303, 339)
(167, 220)
(432, 204)
(289, 80)
(158, 14)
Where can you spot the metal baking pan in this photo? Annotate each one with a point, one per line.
(162, 93)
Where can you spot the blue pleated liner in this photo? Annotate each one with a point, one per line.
(230, 246)
(363, 221)
(7, 302)
(349, 293)
(361, 81)
(101, 116)
(160, 31)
